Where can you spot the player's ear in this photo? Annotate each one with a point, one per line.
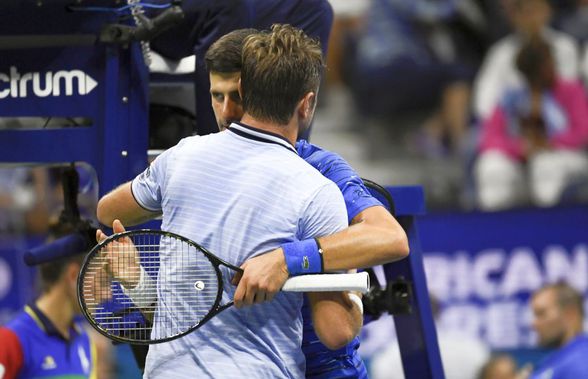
(306, 105)
(240, 89)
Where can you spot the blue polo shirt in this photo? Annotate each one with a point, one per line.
(569, 362)
(32, 347)
(322, 363)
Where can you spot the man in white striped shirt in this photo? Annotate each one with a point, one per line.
(263, 195)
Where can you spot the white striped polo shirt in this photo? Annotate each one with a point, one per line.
(239, 193)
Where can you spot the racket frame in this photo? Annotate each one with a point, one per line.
(214, 310)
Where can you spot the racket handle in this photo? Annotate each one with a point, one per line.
(359, 282)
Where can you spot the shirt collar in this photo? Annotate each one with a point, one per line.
(46, 325)
(260, 135)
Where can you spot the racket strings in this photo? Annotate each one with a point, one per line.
(142, 288)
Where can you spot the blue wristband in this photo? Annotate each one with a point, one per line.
(303, 257)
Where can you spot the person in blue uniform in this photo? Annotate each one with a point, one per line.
(320, 361)
(374, 236)
(558, 317)
(207, 20)
(47, 339)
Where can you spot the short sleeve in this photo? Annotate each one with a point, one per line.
(147, 186)
(332, 166)
(324, 214)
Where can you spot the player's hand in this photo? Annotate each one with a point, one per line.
(117, 227)
(121, 258)
(98, 283)
(263, 276)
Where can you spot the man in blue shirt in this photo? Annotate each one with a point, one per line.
(558, 312)
(45, 340)
(374, 237)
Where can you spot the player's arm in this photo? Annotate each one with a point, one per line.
(11, 355)
(374, 238)
(336, 318)
(139, 200)
(121, 204)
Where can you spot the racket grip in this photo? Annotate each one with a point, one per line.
(359, 282)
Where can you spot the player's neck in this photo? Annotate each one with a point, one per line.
(58, 309)
(288, 131)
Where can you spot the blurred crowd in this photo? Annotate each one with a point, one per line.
(558, 321)
(32, 197)
(497, 85)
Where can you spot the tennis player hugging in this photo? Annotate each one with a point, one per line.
(246, 195)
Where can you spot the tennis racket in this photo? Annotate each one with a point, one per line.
(151, 286)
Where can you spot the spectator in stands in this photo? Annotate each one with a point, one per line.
(46, 339)
(538, 131)
(462, 354)
(558, 312)
(529, 18)
(407, 60)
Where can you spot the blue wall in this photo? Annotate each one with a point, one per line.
(483, 267)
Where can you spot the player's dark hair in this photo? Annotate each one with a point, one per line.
(224, 56)
(279, 68)
(51, 272)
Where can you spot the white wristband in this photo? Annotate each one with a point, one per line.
(145, 292)
(357, 300)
